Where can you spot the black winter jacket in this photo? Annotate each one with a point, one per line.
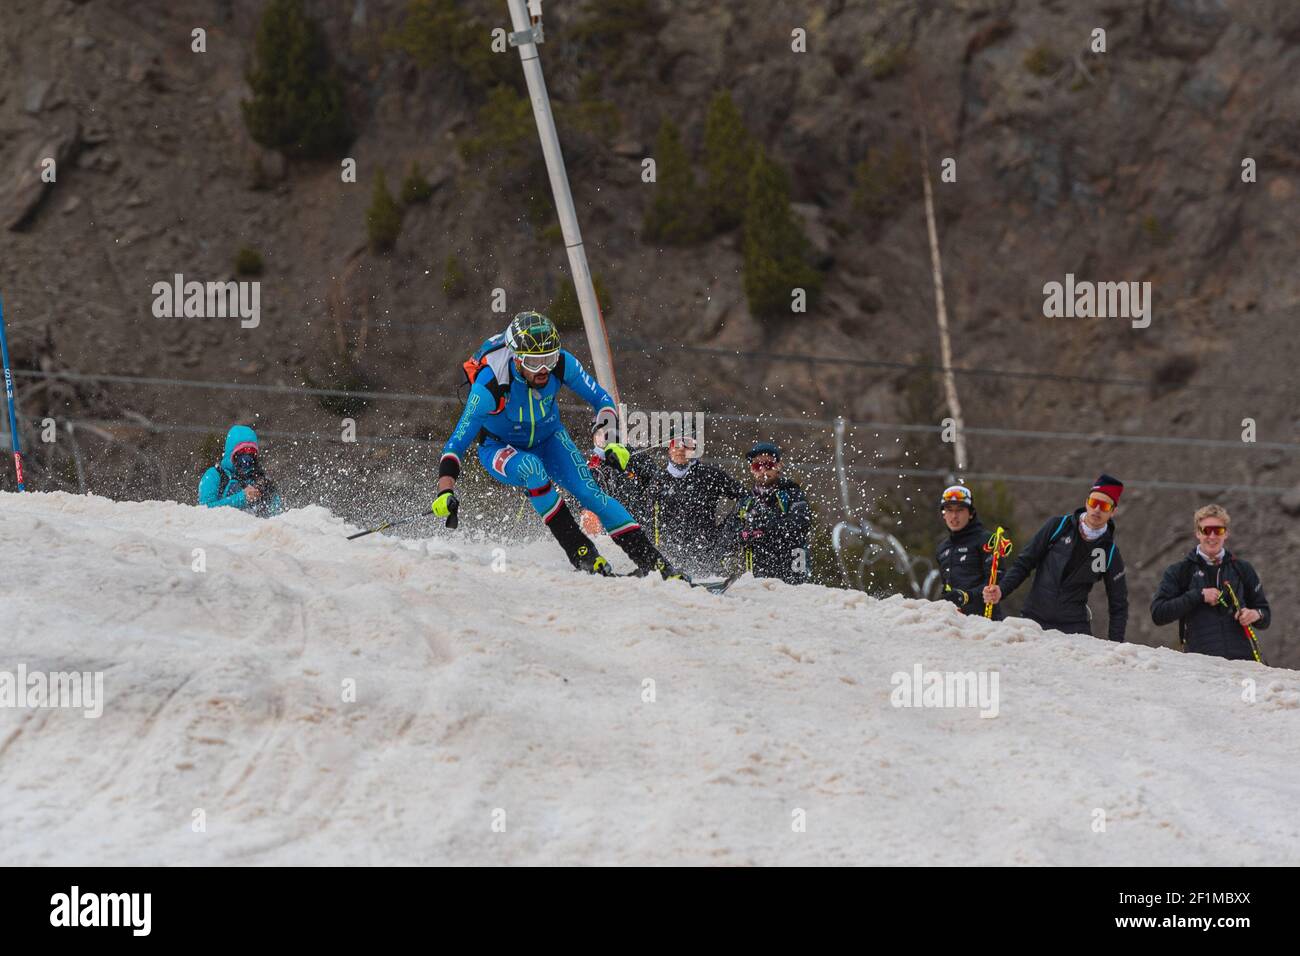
(965, 567)
(683, 511)
(1058, 600)
(1204, 628)
(782, 515)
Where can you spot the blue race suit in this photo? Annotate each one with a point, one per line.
(220, 488)
(523, 443)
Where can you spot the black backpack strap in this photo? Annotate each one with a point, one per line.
(499, 390)
(499, 393)
(223, 482)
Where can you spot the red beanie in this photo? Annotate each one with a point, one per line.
(1109, 486)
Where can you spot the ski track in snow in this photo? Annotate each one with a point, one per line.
(521, 689)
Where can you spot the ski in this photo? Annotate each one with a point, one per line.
(713, 587)
(719, 586)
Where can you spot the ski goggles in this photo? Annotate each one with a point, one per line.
(542, 361)
(1213, 531)
(1101, 504)
(763, 464)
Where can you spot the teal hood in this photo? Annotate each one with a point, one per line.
(238, 435)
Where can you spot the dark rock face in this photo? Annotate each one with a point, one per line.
(31, 177)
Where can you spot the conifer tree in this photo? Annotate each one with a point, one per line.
(298, 103)
(775, 247)
(728, 155)
(674, 216)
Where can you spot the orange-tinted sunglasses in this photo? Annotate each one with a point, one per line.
(1101, 504)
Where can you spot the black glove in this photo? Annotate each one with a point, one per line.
(959, 597)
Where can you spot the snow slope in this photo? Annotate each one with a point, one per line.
(521, 690)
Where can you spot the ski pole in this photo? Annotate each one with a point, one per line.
(1251, 637)
(453, 521)
(9, 396)
(386, 525)
(999, 545)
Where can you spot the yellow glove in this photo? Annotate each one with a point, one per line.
(617, 455)
(442, 504)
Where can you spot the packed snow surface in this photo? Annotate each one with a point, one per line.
(307, 699)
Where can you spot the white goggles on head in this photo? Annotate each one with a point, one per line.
(536, 363)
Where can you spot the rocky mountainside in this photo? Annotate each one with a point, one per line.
(1119, 166)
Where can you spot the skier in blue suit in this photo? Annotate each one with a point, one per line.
(511, 411)
(239, 481)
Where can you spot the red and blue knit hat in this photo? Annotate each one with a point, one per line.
(1109, 486)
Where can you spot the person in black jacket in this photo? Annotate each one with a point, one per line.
(963, 563)
(1194, 592)
(682, 500)
(771, 524)
(1070, 553)
(676, 503)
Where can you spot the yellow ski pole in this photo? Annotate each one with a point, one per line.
(1250, 631)
(999, 546)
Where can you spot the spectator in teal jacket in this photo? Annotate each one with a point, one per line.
(239, 481)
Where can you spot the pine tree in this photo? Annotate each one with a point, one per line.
(445, 35)
(504, 143)
(298, 103)
(674, 214)
(775, 248)
(416, 188)
(384, 217)
(728, 154)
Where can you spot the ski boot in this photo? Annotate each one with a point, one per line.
(586, 559)
(581, 552)
(646, 556)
